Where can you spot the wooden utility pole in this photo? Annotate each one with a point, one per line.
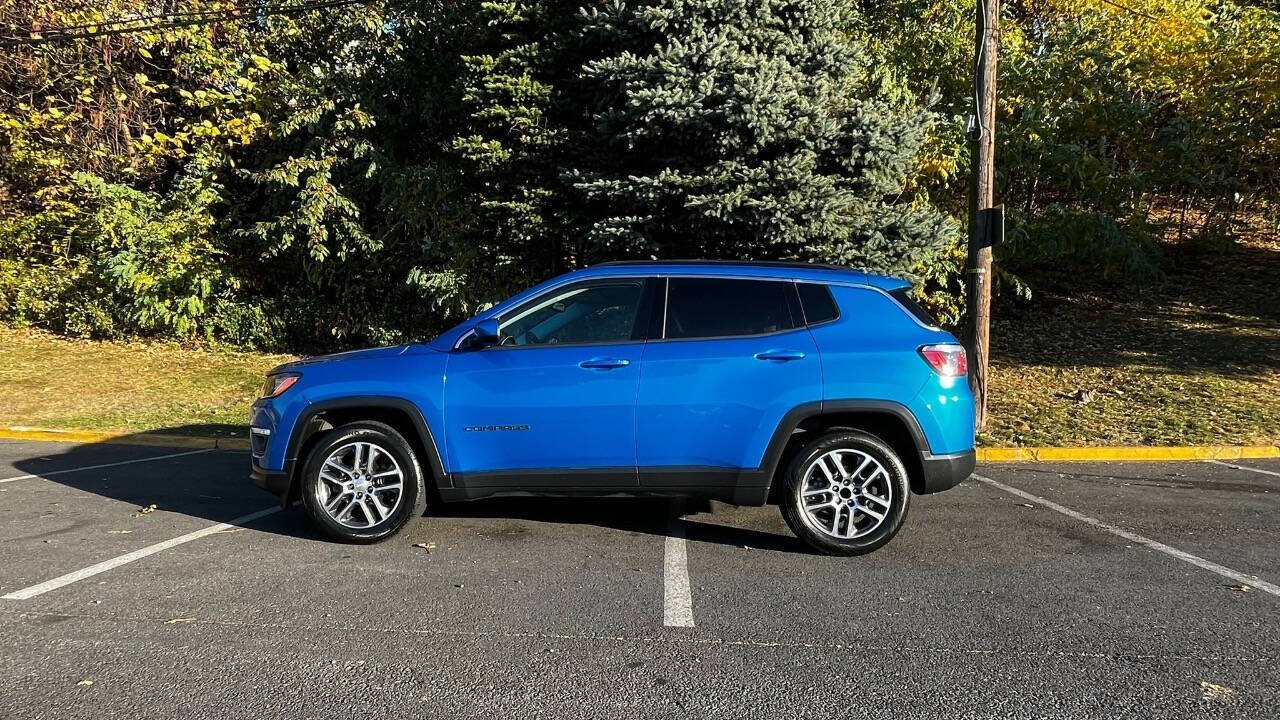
(986, 223)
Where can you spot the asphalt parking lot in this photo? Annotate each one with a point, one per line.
(1045, 590)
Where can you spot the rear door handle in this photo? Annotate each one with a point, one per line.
(780, 354)
(604, 363)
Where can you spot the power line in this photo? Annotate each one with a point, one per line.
(1131, 11)
(167, 21)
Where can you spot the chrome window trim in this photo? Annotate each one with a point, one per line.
(905, 311)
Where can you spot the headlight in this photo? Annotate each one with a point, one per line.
(277, 384)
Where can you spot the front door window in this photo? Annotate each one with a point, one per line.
(595, 313)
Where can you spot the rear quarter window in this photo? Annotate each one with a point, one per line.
(818, 305)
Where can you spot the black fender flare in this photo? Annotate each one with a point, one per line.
(787, 427)
(302, 431)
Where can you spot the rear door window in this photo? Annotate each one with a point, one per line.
(720, 307)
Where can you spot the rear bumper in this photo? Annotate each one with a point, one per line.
(943, 472)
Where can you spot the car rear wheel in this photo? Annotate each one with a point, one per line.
(846, 493)
(362, 483)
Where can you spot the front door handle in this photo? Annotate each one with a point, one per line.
(604, 363)
(780, 354)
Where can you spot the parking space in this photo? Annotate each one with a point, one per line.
(1208, 509)
(526, 576)
(992, 601)
(71, 504)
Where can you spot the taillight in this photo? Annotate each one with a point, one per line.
(946, 360)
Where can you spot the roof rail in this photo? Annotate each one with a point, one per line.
(759, 263)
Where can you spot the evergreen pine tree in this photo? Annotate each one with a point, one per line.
(511, 143)
(742, 129)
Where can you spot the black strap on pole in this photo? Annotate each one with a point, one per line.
(991, 226)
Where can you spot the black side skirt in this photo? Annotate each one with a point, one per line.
(740, 487)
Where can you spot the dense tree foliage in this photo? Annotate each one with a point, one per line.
(374, 171)
(1114, 120)
(741, 128)
(682, 128)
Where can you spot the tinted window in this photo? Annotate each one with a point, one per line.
(903, 296)
(712, 307)
(595, 313)
(817, 303)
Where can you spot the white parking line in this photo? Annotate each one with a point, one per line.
(1196, 560)
(1245, 467)
(104, 465)
(677, 604)
(105, 565)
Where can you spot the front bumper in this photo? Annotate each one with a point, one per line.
(276, 483)
(265, 449)
(943, 472)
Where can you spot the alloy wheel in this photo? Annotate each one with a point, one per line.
(361, 485)
(845, 494)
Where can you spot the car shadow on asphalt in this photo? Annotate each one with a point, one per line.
(203, 483)
(214, 485)
(634, 515)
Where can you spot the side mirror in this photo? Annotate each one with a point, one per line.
(485, 333)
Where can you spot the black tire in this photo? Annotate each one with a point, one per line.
(387, 440)
(894, 482)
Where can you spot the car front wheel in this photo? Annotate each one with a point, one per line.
(846, 493)
(362, 483)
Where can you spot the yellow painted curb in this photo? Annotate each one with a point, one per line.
(1107, 454)
(1006, 454)
(141, 438)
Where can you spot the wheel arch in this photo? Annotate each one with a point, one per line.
(889, 421)
(399, 413)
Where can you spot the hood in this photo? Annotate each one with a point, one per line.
(367, 354)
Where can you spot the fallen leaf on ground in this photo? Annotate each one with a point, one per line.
(1083, 396)
(428, 546)
(145, 511)
(86, 682)
(1213, 692)
(1240, 588)
(178, 621)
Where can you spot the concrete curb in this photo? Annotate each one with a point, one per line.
(140, 438)
(985, 454)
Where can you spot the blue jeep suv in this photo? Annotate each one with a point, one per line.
(825, 390)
